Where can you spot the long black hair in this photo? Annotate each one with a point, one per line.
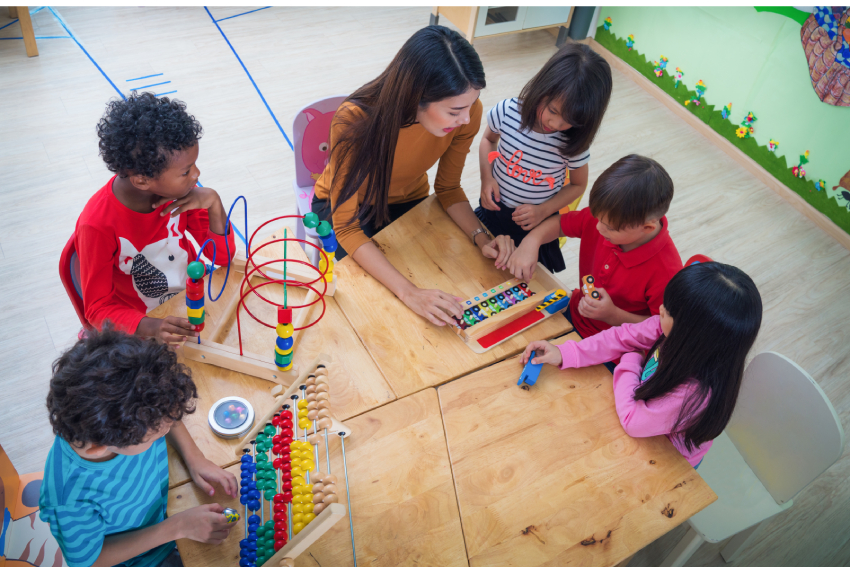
(716, 311)
(579, 80)
(434, 64)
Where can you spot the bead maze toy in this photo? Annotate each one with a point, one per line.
(498, 314)
(278, 367)
(289, 502)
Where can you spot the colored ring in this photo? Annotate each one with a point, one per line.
(195, 295)
(196, 320)
(282, 360)
(194, 286)
(196, 313)
(194, 303)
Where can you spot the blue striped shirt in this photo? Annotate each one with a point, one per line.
(528, 161)
(84, 501)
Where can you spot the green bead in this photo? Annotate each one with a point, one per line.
(311, 220)
(269, 526)
(196, 270)
(269, 430)
(324, 228)
(262, 438)
(262, 458)
(197, 320)
(261, 531)
(270, 546)
(269, 494)
(282, 359)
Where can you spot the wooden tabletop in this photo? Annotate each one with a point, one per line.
(402, 498)
(428, 248)
(547, 476)
(356, 382)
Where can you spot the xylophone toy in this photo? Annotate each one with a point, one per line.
(498, 314)
(279, 366)
(289, 501)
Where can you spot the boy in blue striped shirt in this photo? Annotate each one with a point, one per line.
(113, 399)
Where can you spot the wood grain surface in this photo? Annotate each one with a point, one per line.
(402, 498)
(547, 476)
(356, 383)
(428, 248)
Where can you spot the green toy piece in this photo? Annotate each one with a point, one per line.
(311, 220)
(324, 228)
(196, 270)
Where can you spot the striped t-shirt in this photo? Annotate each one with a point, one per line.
(84, 501)
(530, 169)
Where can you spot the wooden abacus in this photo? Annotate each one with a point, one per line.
(496, 315)
(297, 518)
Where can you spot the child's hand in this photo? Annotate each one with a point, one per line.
(205, 524)
(523, 261)
(602, 309)
(172, 330)
(529, 216)
(544, 352)
(436, 306)
(490, 194)
(501, 248)
(198, 198)
(204, 472)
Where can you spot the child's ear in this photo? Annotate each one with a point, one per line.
(94, 451)
(650, 226)
(140, 182)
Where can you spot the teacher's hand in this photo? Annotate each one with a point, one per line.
(501, 248)
(432, 304)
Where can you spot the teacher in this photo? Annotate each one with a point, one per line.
(422, 109)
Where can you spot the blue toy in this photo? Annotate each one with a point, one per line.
(529, 374)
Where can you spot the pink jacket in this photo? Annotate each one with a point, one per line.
(639, 418)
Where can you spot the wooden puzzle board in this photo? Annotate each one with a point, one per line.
(547, 476)
(402, 498)
(428, 248)
(356, 382)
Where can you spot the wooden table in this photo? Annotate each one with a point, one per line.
(547, 476)
(428, 248)
(356, 382)
(402, 497)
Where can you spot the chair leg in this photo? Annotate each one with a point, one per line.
(740, 540)
(686, 548)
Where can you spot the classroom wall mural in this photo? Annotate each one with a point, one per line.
(774, 81)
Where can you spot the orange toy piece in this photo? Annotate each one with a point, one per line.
(587, 287)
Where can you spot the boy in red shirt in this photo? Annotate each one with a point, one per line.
(625, 246)
(131, 236)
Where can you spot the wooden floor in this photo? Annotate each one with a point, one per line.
(49, 167)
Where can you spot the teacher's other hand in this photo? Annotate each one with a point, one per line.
(436, 306)
(501, 248)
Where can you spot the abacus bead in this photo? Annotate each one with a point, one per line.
(253, 505)
(312, 415)
(317, 476)
(317, 508)
(317, 497)
(330, 499)
(309, 506)
(330, 479)
(269, 430)
(280, 535)
(278, 505)
(310, 389)
(243, 499)
(309, 517)
(311, 380)
(314, 439)
(297, 527)
(287, 496)
(278, 545)
(287, 562)
(286, 415)
(302, 404)
(311, 220)
(305, 423)
(324, 228)
(302, 413)
(329, 489)
(279, 525)
(321, 371)
(297, 517)
(322, 396)
(244, 562)
(269, 494)
(297, 508)
(325, 423)
(322, 413)
(278, 499)
(322, 388)
(253, 520)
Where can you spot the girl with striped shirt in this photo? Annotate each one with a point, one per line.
(531, 141)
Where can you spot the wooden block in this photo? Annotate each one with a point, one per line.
(229, 358)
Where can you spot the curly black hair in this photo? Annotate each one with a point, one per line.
(112, 388)
(139, 134)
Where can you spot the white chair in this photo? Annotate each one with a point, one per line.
(311, 131)
(783, 434)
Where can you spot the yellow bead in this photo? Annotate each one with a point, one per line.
(297, 527)
(296, 463)
(282, 352)
(305, 423)
(309, 517)
(308, 465)
(308, 489)
(297, 517)
(289, 367)
(285, 331)
(308, 506)
(297, 509)
(302, 413)
(298, 479)
(297, 490)
(195, 313)
(302, 404)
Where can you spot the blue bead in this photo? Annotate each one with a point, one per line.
(194, 303)
(253, 467)
(243, 553)
(247, 459)
(254, 494)
(252, 485)
(252, 538)
(330, 246)
(243, 499)
(284, 344)
(253, 505)
(252, 556)
(246, 474)
(242, 543)
(244, 482)
(244, 562)
(253, 520)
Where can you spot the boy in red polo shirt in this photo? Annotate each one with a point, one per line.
(625, 246)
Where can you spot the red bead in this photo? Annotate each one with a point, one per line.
(280, 536)
(286, 415)
(195, 294)
(279, 517)
(200, 327)
(278, 498)
(276, 421)
(284, 315)
(276, 439)
(286, 472)
(279, 526)
(277, 449)
(194, 286)
(277, 463)
(287, 496)
(287, 485)
(284, 458)
(278, 544)
(279, 506)
(286, 449)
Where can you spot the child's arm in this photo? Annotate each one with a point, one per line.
(489, 187)
(205, 524)
(602, 347)
(202, 470)
(206, 220)
(529, 216)
(198, 198)
(524, 259)
(603, 309)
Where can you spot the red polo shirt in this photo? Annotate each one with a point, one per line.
(635, 280)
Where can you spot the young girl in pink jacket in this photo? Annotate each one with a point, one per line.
(680, 371)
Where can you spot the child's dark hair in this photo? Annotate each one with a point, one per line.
(139, 134)
(633, 190)
(577, 79)
(716, 311)
(112, 388)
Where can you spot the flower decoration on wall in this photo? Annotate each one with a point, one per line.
(678, 76)
(726, 111)
(798, 170)
(742, 132)
(700, 89)
(607, 23)
(660, 65)
(772, 145)
(630, 41)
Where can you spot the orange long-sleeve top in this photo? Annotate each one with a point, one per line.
(416, 152)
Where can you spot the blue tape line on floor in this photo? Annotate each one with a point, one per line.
(242, 14)
(251, 78)
(153, 85)
(70, 33)
(145, 77)
(9, 24)
(163, 94)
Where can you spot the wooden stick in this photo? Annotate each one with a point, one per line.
(312, 532)
(27, 31)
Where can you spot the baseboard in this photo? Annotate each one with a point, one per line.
(748, 163)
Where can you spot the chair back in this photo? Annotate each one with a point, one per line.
(69, 273)
(784, 426)
(311, 132)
